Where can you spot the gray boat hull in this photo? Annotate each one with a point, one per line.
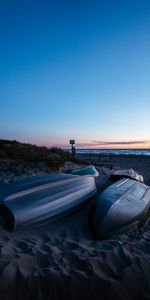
(121, 207)
(31, 201)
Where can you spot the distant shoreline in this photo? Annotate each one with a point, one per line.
(145, 152)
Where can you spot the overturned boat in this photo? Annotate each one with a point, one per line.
(129, 173)
(40, 198)
(85, 171)
(121, 207)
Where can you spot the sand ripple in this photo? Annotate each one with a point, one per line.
(63, 261)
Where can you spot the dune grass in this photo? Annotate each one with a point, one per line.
(54, 157)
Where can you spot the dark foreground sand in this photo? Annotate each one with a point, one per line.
(63, 261)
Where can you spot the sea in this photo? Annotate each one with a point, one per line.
(114, 151)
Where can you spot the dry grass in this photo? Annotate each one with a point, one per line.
(53, 157)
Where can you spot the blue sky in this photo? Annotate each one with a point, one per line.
(75, 69)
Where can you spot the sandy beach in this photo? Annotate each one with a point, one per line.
(63, 261)
(139, 163)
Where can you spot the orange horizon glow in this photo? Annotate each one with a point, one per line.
(64, 144)
(90, 145)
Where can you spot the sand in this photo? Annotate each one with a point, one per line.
(138, 163)
(63, 261)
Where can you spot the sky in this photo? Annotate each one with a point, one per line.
(75, 70)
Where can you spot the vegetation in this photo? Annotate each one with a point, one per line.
(15, 150)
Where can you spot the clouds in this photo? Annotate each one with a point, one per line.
(106, 143)
(93, 144)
